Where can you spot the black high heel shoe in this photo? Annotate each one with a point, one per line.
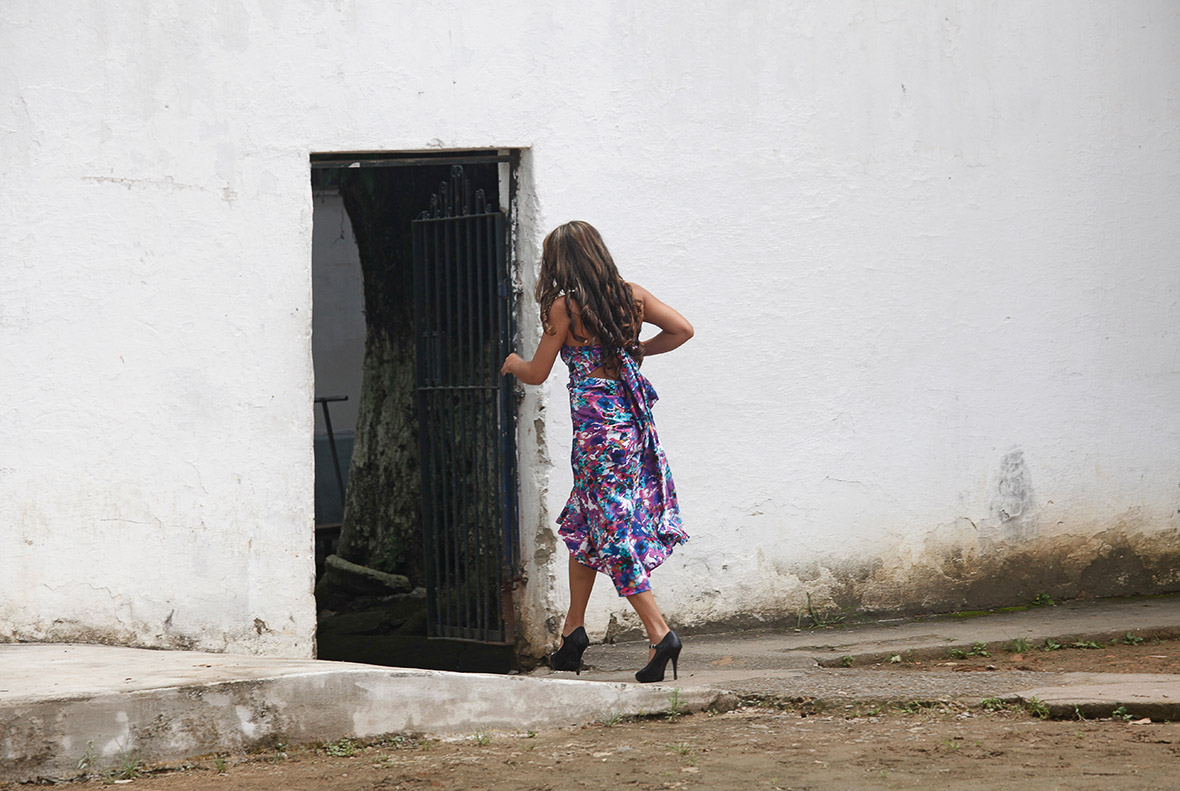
(668, 648)
(569, 656)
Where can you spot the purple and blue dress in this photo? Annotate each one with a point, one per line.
(622, 517)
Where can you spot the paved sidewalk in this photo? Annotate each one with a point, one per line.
(59, 703)
(806, 664)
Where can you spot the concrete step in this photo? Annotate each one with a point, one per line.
(59, 703)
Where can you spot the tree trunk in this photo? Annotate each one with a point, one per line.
(382, 511)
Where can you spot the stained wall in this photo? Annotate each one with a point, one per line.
(930, 252)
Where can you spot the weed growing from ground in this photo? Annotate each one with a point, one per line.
(1121, 713)
(1042, 599)
(820, 618)
(675, 705)
(1037, 708)
(344, 748)
(87, 759)
(1130, 639)
(130, 766)
(1051, 645)
(994, 704)
(1085, 644)
(1020, 646)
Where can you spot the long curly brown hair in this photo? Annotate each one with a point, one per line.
(576, 263)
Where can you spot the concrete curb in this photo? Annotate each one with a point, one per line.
(941, 650)
(1136, 695)
(46, 738)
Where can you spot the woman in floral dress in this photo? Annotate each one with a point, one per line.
(622, 517)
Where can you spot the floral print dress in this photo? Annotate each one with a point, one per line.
(622, 517)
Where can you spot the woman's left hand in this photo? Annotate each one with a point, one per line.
(510, 363)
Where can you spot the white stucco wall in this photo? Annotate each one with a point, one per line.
(930, 251)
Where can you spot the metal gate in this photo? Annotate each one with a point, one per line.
(464, 315)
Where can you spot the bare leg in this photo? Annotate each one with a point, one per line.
(581, 583)
(645, 607)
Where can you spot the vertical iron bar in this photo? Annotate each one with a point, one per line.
(447, 427)
(508, 409)
(465, 494)
(441, 543)
(469, 430)
(452, 511)
(498, 457)
(486, 371)
(422, 346)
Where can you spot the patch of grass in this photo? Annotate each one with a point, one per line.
(130, 766)
(914, 707)
(1051, 645)
(994, 704)
(1085, 644)
(894, 659)
(1130, 639)
(220, 764)
(342, 748)
(1036, 707)
(1042, 599)
(675, 705)
(1020, 646)
(1121, 713)
(681, 748)
(614, 719)
(969, 613)
(976, 649)
(951, 744)
(482, 738)
(530, 734)
(87, 759)
(820, 618)
(847, 660)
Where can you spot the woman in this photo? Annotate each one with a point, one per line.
(622, 517)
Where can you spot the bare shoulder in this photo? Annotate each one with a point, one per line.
(639, 292)
(558, 319)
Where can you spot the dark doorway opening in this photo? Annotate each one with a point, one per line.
(415, 471)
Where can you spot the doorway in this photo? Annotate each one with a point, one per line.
(417, 546)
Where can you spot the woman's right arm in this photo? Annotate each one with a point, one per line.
(674, 328)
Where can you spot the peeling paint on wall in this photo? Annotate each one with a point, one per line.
(935, 325)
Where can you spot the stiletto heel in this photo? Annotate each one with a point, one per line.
(569, 656)
(667, 650)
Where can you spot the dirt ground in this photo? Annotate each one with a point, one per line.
(755, 747)
(1148, 656)
(751, 748)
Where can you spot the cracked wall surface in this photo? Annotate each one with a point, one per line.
(930, 256)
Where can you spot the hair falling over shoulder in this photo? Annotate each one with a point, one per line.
(576, 263)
